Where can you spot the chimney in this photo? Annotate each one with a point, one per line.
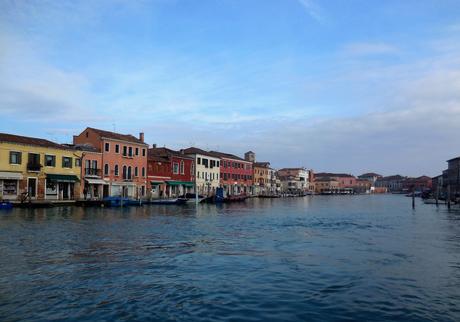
(141, 136)
(154, 145)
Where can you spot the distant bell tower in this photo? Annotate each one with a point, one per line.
(250, 156)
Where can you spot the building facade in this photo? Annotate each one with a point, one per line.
(262, 178)
(207, 170)
(235, 174)
(123, 163)
(294, 180)
(38, 169)
(170, 173)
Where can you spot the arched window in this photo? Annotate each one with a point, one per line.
(106, 169)
(124, 172)
(116, 170)
(136, 172)
(143, 172)
(129, 173)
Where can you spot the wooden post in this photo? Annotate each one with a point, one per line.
(448, 196)
(413, 199)
(437, 195)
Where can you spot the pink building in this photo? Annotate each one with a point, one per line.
(123, 162)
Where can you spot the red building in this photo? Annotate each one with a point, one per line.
(123, 163)
(235, 174)
(170, 173)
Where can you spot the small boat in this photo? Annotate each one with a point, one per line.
(191, 197)
(431, 201)
(120, 202)
(5, 205)
(176, 201)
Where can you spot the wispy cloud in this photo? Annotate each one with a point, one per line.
(312, 9)
(370, 48)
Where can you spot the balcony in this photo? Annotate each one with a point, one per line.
(34, 167)
(92, 172)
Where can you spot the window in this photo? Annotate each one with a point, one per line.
(175, 168)
(143, 152)
(192, 169)
(130, 151)
(137, 151)
(217, 176)
(107, 147)
(87, 134)
(205, 162)
(129, 173)
(117, 148)
(66, 162)
(94, 164)
(124, 172)
(182, 167)
(143, 172)
(198, 161)
(116, 172)
(136, 172)
(77, 162)
(106, 169)
(218, 163)
(125, 150)
(198, 174)
(15, 157)
(50, 160)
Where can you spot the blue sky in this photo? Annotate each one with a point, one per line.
(348, 86)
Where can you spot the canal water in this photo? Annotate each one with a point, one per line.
(314, 258)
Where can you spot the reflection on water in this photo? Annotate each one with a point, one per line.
(312, 258)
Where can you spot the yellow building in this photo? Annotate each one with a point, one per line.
(38, 169)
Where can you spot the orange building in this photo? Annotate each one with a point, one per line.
(123, 162)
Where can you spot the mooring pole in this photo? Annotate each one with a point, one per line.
(448, 196)
(413, 199)
(437, 195)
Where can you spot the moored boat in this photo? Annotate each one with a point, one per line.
(175, 201)
(5, 205)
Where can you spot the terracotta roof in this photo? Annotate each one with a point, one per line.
(292, 169)
(193, 150)
(166, 153)
(116, 136)
(394, 177)
(83, 147)
(328, 174)
(227, 156)
(262, 164)
(370, 174)
(11, 138)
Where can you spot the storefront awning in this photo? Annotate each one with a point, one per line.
(156, 182)
(179, 183)
(62, 177)
(96, 181)
(10, 176)
(126, 184)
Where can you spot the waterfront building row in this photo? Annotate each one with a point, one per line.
(99, 164)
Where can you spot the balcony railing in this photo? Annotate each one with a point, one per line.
(92, 172)
(34, 167)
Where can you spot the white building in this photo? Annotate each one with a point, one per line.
(294, 180)
(207, 170)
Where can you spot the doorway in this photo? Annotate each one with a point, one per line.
(32, 187)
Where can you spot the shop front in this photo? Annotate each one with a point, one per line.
(123, 189)
(177, 188)
(95, 189)
(60, 187)
(9, 185)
